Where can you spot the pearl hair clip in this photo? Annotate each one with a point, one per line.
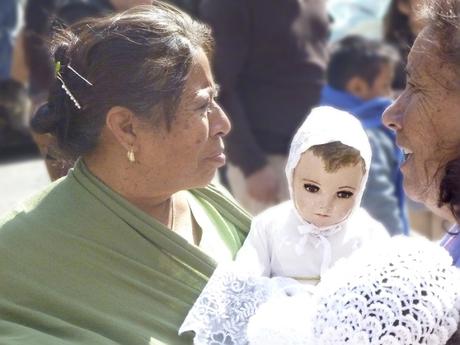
(58, 68)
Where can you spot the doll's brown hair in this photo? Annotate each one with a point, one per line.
(336, 155)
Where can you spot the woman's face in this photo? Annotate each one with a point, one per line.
(189, 154)
(426, 119)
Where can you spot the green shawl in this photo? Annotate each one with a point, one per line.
(81, 265)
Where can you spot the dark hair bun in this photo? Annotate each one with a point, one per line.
(45, 120)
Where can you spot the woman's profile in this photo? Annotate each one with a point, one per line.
(117, 251)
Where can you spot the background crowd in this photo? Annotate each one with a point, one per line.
(274, 62)
(136, 102)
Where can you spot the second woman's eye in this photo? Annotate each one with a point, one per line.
(311, 188)
(344, 195)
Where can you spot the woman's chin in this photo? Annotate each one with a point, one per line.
(207, 178)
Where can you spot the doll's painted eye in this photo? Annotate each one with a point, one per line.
(311, 188)
(344, 195)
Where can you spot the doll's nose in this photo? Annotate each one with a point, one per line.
(326, 205)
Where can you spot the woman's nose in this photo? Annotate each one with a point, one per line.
(391, 117)
(219, 122)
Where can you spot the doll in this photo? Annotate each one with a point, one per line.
(327, 170)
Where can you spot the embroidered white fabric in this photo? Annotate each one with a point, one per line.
(402, 292)
(222, 311)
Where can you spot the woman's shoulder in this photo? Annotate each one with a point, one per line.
(32, 212)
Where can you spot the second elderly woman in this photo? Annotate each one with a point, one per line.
(426, 120)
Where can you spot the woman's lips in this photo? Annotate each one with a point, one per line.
(218, 157)
(407, 153)
(407, 156)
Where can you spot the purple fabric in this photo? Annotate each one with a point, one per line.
(451, 242)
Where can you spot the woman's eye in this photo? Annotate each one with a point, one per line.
(204, 110)
(311, 188)
(344, 195)
(412, 87)
(207, 107)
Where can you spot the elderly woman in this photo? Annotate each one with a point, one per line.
(425, 117)
(118, 250)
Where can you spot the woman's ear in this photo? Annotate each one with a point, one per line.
(358, 87)
(120, 121)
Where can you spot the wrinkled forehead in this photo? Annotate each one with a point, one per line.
(426, 49)
(429, 61)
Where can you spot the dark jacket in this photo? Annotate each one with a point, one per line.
(270, 63)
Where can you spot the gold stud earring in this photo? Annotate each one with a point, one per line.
(131, 156)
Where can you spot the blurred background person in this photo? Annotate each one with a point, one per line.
(270, 62)
(401, 26)
(41, 18)
(10, 22)
(359, 77)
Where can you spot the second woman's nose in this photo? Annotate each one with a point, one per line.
(391, 117)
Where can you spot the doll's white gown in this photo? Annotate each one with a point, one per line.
(281, 245)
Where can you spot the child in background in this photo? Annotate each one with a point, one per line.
(359, 77)
(327, 170)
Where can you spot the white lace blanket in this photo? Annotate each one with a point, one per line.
(403, 292)
(221, 313)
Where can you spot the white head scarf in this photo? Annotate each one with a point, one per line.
(324, 125)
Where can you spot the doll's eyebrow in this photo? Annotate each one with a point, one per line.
(307, 180)
(347, 187)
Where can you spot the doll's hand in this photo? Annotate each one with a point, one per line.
(263, 185)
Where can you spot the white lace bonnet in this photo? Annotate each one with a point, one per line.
(324, 125)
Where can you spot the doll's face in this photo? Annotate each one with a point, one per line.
(325, 198)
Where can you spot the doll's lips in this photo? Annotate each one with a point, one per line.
(322, 215)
